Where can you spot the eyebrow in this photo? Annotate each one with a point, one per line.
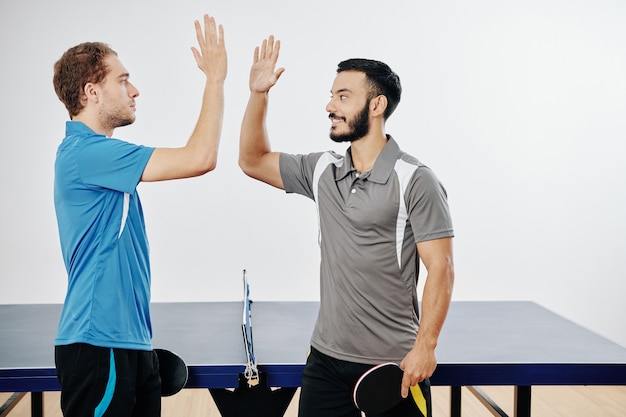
(341, 90)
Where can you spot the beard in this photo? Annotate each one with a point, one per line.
(117, 118)
(116, 115)
(359, 126)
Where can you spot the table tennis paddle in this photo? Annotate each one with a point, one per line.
(379, 388)
(173, 371)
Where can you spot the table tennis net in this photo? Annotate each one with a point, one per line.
(251, 372)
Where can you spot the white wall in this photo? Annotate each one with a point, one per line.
(519, 106)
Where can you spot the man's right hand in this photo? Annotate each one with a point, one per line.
(211, 58)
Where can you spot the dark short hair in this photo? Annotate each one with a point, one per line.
(380, 77)
(79, 65)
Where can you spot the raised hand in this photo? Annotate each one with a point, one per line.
(263, 75)
(211, 58)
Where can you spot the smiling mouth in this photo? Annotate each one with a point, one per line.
(335, 119)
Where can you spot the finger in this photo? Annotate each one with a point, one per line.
(197, 56)
(209, 30)
(221, 40)
(276, 50)
(199, 36)
(270, 46)
(278, 73)
(255, 58)
(406, 383)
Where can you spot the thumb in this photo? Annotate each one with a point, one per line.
(277, 74)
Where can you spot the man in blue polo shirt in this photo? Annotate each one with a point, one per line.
(380, 211)
(103, 350)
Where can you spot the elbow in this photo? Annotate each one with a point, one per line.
(205, 165)
(208, 168)
(242, 163)
(210, 165)
(246, 166)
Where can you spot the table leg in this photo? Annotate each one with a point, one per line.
(522, 401)
(36, 404)
(455, 401)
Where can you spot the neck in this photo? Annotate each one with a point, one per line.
(93, 123)
(365, 151)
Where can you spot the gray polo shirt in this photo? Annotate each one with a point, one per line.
(369, 225)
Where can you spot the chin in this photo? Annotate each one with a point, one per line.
(350, 137)
(126, 122)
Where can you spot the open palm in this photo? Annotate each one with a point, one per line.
(263, 75)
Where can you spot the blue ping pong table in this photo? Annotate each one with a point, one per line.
(516, 343)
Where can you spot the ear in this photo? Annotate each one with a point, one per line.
(378, 105)
(91, 93)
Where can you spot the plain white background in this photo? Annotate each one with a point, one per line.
(518, 106)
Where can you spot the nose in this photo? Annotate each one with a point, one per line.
(132, 90)
(330, 107)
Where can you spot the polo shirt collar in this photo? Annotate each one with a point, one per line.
(78, 128)
(383, 166)
(346, 168)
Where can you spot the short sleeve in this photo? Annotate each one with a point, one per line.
(112, 163)
(297, 172)
(427, 204)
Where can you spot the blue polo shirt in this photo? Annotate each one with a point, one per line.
(103, 240)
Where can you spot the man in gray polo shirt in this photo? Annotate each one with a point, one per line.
(380, 212)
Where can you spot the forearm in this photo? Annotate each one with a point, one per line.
(435, 304)
(420, 362)
(256, 158)
(254, 142)
(203, 143)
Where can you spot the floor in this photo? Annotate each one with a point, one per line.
(547, 401)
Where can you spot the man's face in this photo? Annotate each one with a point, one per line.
(349, 107)
(117, 106)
